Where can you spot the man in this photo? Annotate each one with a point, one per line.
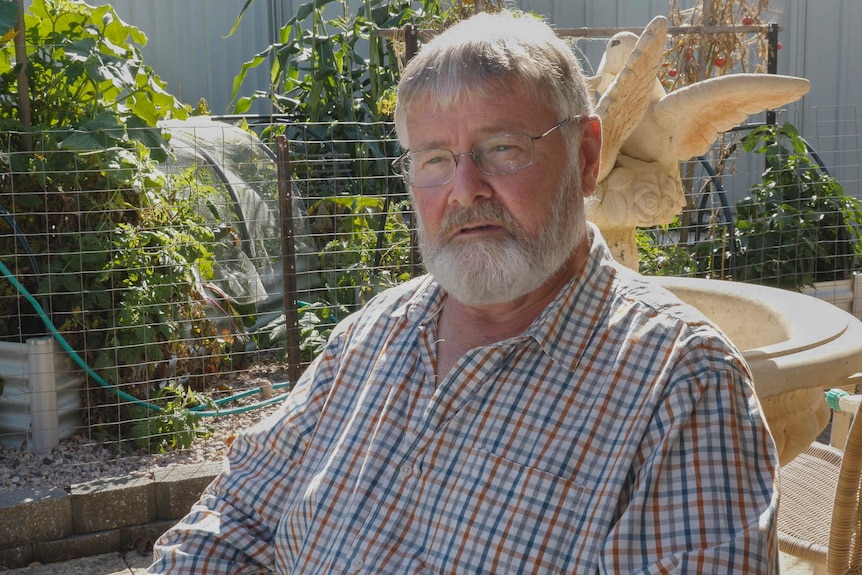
(530, 406)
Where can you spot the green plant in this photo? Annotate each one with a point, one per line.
(332, 70)
(360, 258)
(660, 254)
(317, 67)
(113, 247)
(315, 326)
(154, 272)
(365, 247)
(319, 75)
(797, 226)
(86, 82)
(316, 322)
(176, 426)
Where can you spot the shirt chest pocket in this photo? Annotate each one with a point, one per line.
(491, 515)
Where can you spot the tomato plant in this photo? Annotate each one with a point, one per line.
(108, 243)
(697, 57)
(797, 226)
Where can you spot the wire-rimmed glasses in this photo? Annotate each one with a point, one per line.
(494, 156)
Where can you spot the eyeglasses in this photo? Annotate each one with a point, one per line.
(494, 156)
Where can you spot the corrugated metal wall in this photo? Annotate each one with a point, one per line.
(819, 38)
(188, 48)
(822, 41)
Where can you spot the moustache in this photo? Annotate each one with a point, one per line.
(483, 212)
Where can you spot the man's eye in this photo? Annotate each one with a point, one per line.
(507, 149)
(433, 160)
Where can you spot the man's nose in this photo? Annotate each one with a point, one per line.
(469, 182)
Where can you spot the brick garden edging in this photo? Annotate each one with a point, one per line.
(95, 517)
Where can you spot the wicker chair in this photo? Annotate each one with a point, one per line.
(820, 511)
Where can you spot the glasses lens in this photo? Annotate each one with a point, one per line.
(495, 156)
(504, 154)
(429, 167)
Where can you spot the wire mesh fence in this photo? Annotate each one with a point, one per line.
(775, 205)
(161, 289)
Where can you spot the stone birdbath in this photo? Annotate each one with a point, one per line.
(796, 345)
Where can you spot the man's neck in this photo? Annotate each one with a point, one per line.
(462, 327)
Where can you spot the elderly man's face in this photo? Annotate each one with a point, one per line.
(491, 239)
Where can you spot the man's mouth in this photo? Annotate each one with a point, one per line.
(478, 228)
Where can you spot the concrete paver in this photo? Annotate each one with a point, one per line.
(94, 518)
(107, 564)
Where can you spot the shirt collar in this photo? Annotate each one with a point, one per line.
(423, 304)
(568, 324)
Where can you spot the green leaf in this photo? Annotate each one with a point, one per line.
(306, 9)
(237, 82)
(104, 122)
(82, 142)
(243, 105)
(8, 17)
(239, 18)
(143, 108)
(150, 137)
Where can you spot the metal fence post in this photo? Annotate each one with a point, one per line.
(288, 260)
(772, 63)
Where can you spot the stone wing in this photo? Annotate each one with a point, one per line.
(696, 114)
(624, 103)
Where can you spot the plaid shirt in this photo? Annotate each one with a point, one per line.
(618, 434)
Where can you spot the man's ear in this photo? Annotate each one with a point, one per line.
(590, 153)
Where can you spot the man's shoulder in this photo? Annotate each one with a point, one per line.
(672, 300)
(396, 297)
(390, 302)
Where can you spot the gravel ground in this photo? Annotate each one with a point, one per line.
(80, 458)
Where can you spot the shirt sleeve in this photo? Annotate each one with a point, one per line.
(705, 497)
(231, 528)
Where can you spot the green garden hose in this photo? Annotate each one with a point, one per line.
(199, 410)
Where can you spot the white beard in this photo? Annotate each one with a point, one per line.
(491, 271)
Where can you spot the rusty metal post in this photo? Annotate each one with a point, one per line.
(411, 46)
(288, 260)
(411, 42)
(772, 63)
(25, 112)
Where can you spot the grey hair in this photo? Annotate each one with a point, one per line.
(493, 53)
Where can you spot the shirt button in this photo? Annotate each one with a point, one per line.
(356, 564)
(406, 470)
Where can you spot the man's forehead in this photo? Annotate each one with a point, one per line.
(445, 127)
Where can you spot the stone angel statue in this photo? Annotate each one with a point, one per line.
(647, 132)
